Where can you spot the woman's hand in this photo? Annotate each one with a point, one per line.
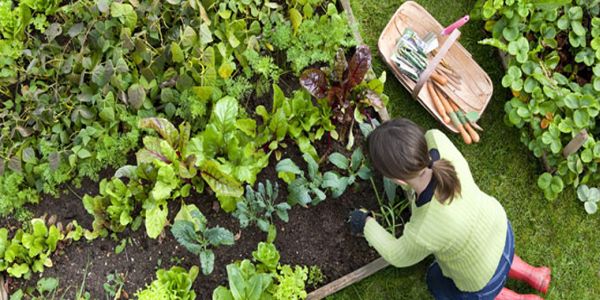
(357, 219)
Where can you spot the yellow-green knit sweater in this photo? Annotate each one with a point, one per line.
(466, 236)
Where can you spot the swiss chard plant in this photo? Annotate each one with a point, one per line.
(344, 89)
(191, 231)
(259, 207)
(552, 54)
(175, 283)
(354, 168)
(302, 190)
(227, 153)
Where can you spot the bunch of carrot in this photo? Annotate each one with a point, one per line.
(450, 112)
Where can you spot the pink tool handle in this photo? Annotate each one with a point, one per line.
(455, 25)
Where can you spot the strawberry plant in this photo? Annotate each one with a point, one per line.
(552, 71)
(589, 197)
(191, 231)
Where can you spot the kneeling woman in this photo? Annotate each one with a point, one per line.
(465, 229)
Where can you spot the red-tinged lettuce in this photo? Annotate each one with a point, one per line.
(340, 86)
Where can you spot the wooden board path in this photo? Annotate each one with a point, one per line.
(379, 263)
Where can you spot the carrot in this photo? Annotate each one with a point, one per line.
(453, 116)
(439, 78)
(437, 103)
(472, 133)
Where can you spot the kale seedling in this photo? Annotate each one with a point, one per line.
(259, 206)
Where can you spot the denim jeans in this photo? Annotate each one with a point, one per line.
(442, 287)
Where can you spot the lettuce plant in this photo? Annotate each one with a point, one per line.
(30, 249)
(267, 255)
(175, 283)
(113, 207)
(245, 283)
(343, 88)
(296, 117)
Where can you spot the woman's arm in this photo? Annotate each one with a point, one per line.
(399, 252)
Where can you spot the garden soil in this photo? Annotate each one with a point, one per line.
(316, 235)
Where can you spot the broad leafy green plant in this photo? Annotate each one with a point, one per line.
(296, 117)
(175, 283)
(245, 283)
(355, 167)
(345, 88)
(30, 248)
(302, 190)
(191, 231)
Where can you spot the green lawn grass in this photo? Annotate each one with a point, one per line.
(558, 234)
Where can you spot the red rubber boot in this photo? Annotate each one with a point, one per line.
(538, 278)
(507, 294)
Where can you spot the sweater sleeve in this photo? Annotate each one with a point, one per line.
(399, 252)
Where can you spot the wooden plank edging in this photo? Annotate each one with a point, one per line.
(349, 279)
(380, 263)
(383, 113)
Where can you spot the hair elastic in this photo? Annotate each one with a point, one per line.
(430, 165)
